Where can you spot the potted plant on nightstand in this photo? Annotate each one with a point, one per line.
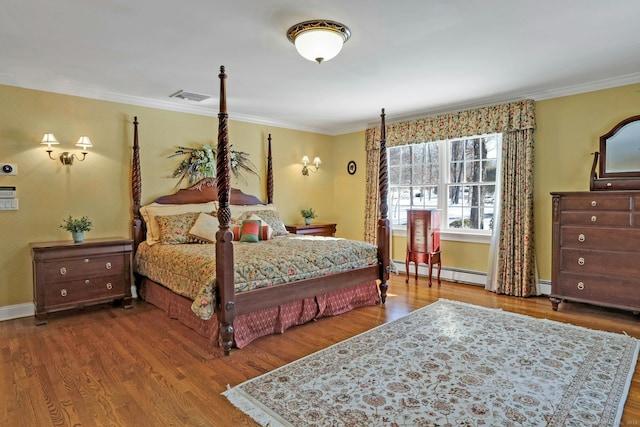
(308, 215)
(77, 227)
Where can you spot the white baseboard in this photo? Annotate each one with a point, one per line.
(16, 311)
(461, 276)
(27, 309)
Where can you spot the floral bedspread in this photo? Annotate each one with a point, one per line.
(189, 269)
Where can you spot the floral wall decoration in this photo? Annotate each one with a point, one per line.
(201, 163)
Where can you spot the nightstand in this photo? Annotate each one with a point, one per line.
(70, 275)
(313, 229)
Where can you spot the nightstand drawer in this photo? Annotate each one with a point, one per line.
(85, 267)
(328, 230)
(99, 288)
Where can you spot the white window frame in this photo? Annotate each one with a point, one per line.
(455, 234)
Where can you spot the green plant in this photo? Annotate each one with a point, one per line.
(308, 213)
(201, 163)
(76, 225)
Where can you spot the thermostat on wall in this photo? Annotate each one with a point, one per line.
(8, 169)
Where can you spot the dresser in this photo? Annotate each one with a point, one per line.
(313, 229)
(71, 275)
(596, 248)
(423, 240)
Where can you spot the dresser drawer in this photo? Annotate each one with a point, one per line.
(67, 275)
(574, 237)
(597, 218)
(85, 291)
(587, 261)
(596, 202)
(612, 291)
(85, 267)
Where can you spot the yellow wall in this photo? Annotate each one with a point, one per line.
(568, 131)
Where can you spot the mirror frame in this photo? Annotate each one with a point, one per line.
(613, 180)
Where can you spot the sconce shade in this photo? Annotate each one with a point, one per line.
(66, 158)
(49, 139)
(317, 161)
(319, 40)
(84, 142)
(305, 160)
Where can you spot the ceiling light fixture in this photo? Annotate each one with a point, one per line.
(318, 40)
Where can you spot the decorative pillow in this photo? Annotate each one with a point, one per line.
(249, 231)
(272, 218)
(205, 227)
(263, 234)
(174, 229)
(149, 212)
(237, 211)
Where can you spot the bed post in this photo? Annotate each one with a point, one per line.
(269, 173)
(224, 237)
(136, 196)
(383, 221)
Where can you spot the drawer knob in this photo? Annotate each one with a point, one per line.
(580, 285)
(63, 271)
(63, 292)
(108, 265)
(581, 238)
(594, 218)
(608, 184)
(580, 261)
(109, 286)
(86, 282)
(594, 203)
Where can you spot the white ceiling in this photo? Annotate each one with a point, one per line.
(412, 57)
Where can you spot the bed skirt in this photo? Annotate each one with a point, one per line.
(272, 320)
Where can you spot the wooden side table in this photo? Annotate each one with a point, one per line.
(313, 229)
(71, 275)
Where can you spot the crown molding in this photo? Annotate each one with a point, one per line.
(209, 108)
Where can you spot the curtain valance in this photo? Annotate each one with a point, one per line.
(509, 117)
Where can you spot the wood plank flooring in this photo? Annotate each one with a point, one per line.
(105, 366)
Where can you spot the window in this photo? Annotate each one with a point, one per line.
(462, 169)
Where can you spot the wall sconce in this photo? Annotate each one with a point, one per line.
(305, 161)
(65, 158)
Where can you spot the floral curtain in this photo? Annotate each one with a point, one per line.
(516, 121)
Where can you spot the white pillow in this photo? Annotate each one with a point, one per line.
(150, 211)
(205, 228)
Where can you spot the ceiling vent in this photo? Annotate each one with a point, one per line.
(190, 96)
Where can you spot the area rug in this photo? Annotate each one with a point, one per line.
(452, 364)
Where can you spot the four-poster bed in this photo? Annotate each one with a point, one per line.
(268, 305)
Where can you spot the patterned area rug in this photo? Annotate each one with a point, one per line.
(452, 364)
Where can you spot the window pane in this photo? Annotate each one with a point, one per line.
(393, 157)
(489, 170)
(418, 173)
(394, 175)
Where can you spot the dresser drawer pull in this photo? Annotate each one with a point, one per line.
(63, 292)
(86, 282)
(109, 286)
(108, 265)
(63, 271)
(580, 261)
(593, 203)
(581, 238)
(580, 285)
(594, 219)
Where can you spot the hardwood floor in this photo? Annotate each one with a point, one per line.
(114, 367)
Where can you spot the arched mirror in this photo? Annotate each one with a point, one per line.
(619, 158)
